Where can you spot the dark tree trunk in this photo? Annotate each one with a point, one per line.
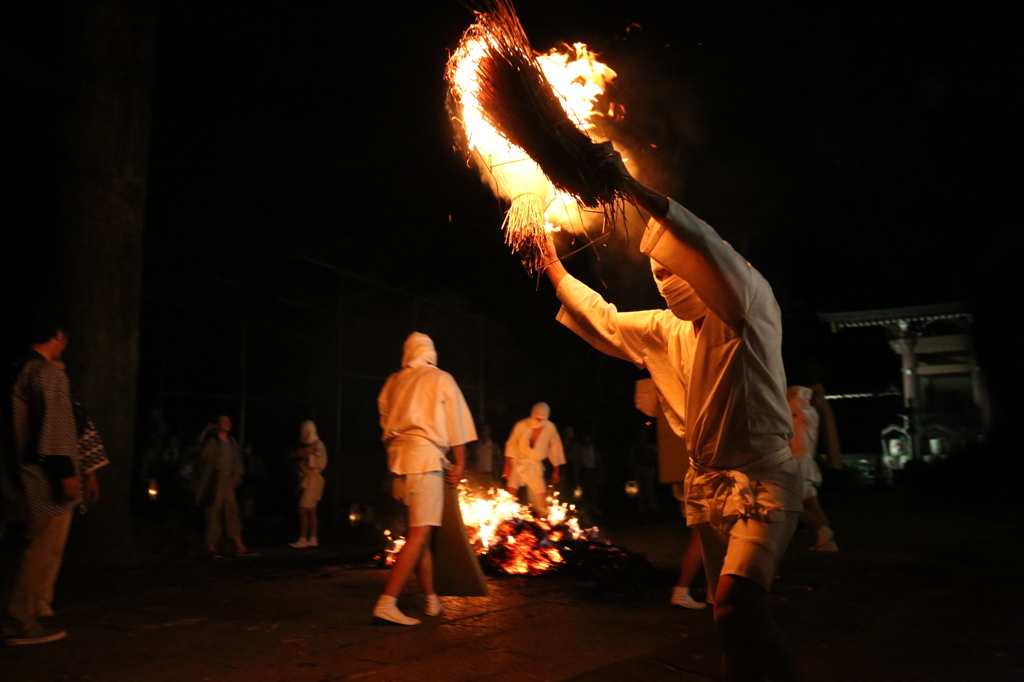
(106, 134)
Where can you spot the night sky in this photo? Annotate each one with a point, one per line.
(852, 153)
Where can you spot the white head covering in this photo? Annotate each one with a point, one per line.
(418, 351)
(307, 432)
(540, 413)
(682, 300)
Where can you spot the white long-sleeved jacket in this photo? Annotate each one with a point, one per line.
(722, 389)
(422, 412)
(548, 444)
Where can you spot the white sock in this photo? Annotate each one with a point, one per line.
(433, 606)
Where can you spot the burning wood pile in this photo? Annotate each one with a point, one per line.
(526, 121)
(509, 539)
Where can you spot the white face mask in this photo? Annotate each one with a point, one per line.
(682, 300)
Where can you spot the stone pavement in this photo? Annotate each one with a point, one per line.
(913, 595)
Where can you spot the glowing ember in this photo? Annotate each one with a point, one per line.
(578, 79)
(506, 534)
(395, 545)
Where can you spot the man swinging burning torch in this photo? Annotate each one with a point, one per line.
(716, 358)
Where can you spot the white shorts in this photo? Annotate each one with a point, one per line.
(749, 548)
(423, 494)
(527, 472)
(312, 492)
(812, 476)
(311, 497)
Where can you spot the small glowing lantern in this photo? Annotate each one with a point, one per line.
(355, 514)
(153, 491)
(632, 488)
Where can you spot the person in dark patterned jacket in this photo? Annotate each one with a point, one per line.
(46, 445)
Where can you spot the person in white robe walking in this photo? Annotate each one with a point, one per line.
(807, 422)
(422, 414)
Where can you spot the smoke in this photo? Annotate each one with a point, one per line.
(653, 118)
(656, 124)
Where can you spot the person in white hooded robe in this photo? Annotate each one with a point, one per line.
(716, 358)
(533, 440)
(806, 426)
(312, 459)
(422, 414)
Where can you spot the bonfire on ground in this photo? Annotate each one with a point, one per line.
(508, 538)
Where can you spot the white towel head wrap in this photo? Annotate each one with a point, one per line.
(418, 350)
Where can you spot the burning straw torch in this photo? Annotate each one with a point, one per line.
(526, 121)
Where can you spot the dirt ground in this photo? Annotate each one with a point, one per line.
(916, 593)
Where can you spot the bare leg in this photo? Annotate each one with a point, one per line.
(691, 560)
(425, 570)
(303, 523)
(314, 522)
(753, 647)
(812, 515)
(408, 559)
(815, 518)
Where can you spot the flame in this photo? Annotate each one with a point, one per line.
(510, 535)
(578, 80)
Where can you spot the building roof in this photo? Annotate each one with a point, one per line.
(890, 316)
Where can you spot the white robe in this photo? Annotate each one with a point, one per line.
(310, 467)
(722, 390)
(806, 425)
(422, 415)
(547, 446)
(525, 461)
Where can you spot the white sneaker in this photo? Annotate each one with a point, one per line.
(312, 542)
(299, 544)
(387, 609)
(37, 635)
(433, 605)
(681, 597)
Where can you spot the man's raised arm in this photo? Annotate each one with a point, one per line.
(695, 252)
(599, 323)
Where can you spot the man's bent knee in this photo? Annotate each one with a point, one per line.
(738, 600)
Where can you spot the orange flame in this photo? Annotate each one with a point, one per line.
(494, 520)
(578, 79)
